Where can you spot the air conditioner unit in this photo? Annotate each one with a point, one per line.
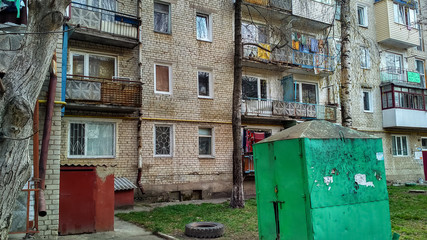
(122, 78)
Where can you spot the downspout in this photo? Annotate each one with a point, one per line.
(139, 138)
(36, 159)
(64, 66)
(46, 136)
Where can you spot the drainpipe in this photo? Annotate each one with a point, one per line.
(36, 157)
(139, 139)
(46, 135)
(64, 66)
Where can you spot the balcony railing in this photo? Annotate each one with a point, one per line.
(104, 20)
(280, 4)
(288, 56)
(268, 108)
(94, 90)
(391, 74)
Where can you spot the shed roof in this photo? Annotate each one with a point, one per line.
(123, 184)
(317, 129)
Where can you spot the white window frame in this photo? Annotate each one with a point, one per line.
(171, 139)
(212, 136)
(169, 17)
(299, 86)
(365, 57)
(422, 147)
(211, 90)
(365, 14)
(401, 143)
(393, 69)
(91, 122)
(422, 74)
(409, 17)
(259, 98)
(209, 26)
(170, 78)
(86, 62)
(370, 99)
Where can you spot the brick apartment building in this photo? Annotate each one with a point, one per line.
(148, 84)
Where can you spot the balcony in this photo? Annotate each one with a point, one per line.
(404, 107)
(392, 33)
(319, 14)
(283, 110)
(100, 94)
(401, 76)
(295, 61)
(104, 26)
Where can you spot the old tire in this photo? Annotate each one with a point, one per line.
(204, 229)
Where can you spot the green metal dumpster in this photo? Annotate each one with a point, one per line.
(318, 180)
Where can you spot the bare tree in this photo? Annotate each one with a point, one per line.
(22, 83)
(237, 196)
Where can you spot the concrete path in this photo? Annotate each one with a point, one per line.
(122, 230)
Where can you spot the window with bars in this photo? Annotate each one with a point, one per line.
(163, 140)
(94, 139)
(399, 145)
(205, 142)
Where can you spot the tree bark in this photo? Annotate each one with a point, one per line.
(237, 197)
(346, 74)
(22, 82)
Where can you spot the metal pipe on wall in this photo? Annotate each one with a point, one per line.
(46, 135)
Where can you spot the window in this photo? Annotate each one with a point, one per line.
(393, 63)
(254, 88)
(205, 142)
(252, 33)
(93, 65)
(405, 15)
(105, 7)
(305, 93)
(205, 85)
(329, 2)
(420, 70)
(365, 61)
(399, 146)
(420, 47)
(162, 17)
(362, 15)
(163, 140)
(93, 139)
(203, 27)
(163, 76)
(424, 143)
(367, 100)
(338, 10)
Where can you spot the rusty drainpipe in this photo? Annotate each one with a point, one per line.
(36, 158)
(139, 138)
(46, 135)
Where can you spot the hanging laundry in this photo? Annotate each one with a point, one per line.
(251, 141)
(304, 48)
(314, 45)
(263, 53)
(303, 40)
(295, 45)
(299, 37)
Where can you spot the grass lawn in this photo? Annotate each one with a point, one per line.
(408, 216)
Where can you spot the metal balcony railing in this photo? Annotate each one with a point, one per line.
(104, 20)
(393, 74)
(267, 107)
(286, 55)
(94, 90)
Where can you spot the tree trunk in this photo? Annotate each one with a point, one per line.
(23, 81)
(237, 197)
(346, 75)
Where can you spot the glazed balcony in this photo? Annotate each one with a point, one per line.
(404, 107)
(266, 108)
(104, 26)
(296, 61)
(402, 35)
(92, 93)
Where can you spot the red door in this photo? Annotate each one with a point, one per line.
(76, 201)
(425, 164)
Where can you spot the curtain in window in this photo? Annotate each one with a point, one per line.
(249, 33)
(162, 78)
(102, 67)
(203, 83)
(413, 18)
(108, 5)
(202, 27)
(161, 17)
(100, 139)
(399, 13)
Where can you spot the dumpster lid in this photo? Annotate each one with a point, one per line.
(317, 129)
